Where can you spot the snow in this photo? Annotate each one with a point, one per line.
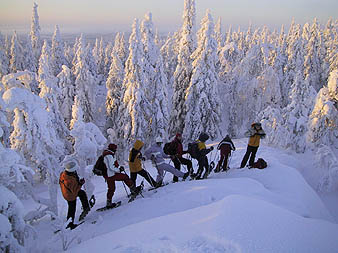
(270, 210)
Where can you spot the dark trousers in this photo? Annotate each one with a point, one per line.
(223, 162)
(177, 163)
(250, 152)
(203, 163)
(111, 183)
(143, 173)
(72, 204)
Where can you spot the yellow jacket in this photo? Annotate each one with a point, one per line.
(135, 157)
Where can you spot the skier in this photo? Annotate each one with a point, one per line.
(177, 158)
(225, 147)
(114, 174)
(255, 133)
(135, 166)
(156, 154)
(70, 185)
(202, 158)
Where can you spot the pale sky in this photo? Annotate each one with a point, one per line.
(105, 16)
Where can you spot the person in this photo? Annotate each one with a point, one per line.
(177, 158)
(225, 147)
(203, 159)
(135, 165)
(70, 185)
(114, 174)
(156, 154)
(255, 134)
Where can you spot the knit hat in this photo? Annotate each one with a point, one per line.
(178, 135)
(112, 147)
(70, 167)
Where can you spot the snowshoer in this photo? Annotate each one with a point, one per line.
(177, 158)
(71, 184)
(203, 159)
(135, 165)
(225, 147)
(255, 134)
(114, 174)
(156, 154)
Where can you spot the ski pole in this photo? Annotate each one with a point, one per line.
(124, 185)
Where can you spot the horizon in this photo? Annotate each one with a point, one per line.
(116, 16)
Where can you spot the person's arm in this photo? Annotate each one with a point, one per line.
(110, 163)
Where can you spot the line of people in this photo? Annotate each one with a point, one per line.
(71, 184)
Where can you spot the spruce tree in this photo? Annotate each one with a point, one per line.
(183, 72)
(202, 101)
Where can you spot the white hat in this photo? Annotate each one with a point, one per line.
(70, 167)
(159, 140)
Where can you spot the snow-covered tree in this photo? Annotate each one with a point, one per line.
(313, 58)
(57, 52)
(98, 55)
(156, 81)
(84, 82)
(202, 101)
(120, 48)
(50, 91)
(114, 93)
(4, 61)
(323, 123)
(183, 72)
(34, 137)
(30, 63)
(297, 112)
(35, 33)
(16, 60)
(136, 109)
(66, 84)
(88, 141)
(169, 52)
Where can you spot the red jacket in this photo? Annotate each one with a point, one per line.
(179, 147)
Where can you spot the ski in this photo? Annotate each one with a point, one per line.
(114, 205)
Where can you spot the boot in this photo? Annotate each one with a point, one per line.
(135, 190)
(84, 213)
(109, 203)
(185, 176)
(158, 184)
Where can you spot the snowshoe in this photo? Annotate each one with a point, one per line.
(113, 205)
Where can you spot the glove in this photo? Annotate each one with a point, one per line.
(116, 164)
(121, 168)
(211, 148)
(82, 181)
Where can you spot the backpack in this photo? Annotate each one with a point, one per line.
(193, 150)
(169, 149)
(260, 164)
(100, 168)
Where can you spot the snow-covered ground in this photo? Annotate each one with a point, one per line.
(270, 210)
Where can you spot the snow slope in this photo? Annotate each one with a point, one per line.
(270, 210)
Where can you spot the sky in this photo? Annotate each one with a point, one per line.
(104, 16)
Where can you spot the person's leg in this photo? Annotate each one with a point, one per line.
(133, 177)
(177, 165)
(147, 177)
(225, 163)
(200, 168)
(220, 164)
(246, 157)
(124, 177)
(253, 155)
(71, 210)
(171, 169)
(206, 166)
(188, 163)
(84, 199)
(111, 188)
(159, 177)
